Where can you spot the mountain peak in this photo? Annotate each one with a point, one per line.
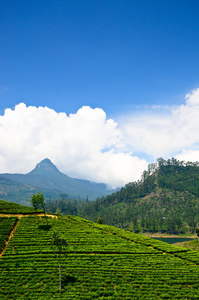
(45, 166)
(46, 161)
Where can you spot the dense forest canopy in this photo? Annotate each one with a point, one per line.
(165, 199)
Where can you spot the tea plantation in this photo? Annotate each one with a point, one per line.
(100, 262)
(14, 208)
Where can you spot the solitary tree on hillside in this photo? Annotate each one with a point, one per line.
(99, 220)
(58, 243)
(38, 202)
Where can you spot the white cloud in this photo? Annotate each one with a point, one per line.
(88, 145)
(188, 155)
(83, 145)
(166, 134)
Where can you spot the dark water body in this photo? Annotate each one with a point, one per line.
(174, 240)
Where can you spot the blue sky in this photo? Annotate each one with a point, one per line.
(109, 54)
(132, 59)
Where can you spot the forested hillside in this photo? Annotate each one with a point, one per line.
(166, 200)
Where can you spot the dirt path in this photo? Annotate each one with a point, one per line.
(19, 216)
(169, 236)
(9, 236)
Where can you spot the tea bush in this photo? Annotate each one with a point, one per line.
(101, 262)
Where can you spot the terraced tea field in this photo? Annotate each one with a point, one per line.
(100, 262)
(14, 208)
(6, 226)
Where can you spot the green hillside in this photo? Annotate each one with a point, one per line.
(14, 208)
(165, 200)
(193, 245)
(21, 193)
(100, 262)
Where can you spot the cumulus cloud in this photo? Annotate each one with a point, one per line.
(166, 134)
(88, 145)
(82, 145)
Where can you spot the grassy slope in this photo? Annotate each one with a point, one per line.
(101, 262)
(14, 208)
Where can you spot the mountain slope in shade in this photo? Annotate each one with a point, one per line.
(21, 193)
(49, 180)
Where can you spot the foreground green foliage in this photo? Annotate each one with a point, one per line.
(100, 262)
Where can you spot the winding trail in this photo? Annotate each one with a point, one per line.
(9, 236)
(19, 216)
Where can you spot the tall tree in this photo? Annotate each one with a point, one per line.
(58, 243)
(38, 202)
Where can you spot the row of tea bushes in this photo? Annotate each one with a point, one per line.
(6, 225)
(99, 275)
(14, 208)
(30, 238)
(136, 238)
(190, 255)
(101, 262)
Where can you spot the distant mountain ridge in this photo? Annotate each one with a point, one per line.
(46, 178)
